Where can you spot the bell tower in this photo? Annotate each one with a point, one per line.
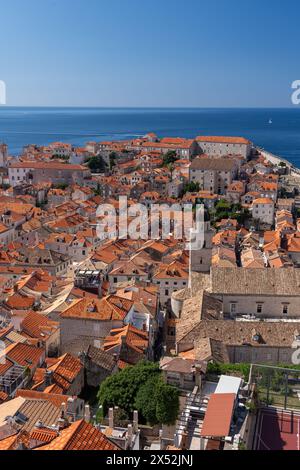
(3, 155)
(201, 259)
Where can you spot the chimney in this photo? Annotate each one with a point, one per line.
(161, 439)
(123, 339)
(135, 421)
(129, 436)
(63, 410)
(87, 413)
(111, 418)
(48, 378)
(184, 440)
(71, 407)
(198, 372)
(115, 356)
(100, 289)
(62, 423)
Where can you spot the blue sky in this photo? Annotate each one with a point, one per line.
(198, 53)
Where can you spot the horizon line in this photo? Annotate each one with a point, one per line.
(146, 107)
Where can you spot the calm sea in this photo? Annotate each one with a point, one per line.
(22, 126)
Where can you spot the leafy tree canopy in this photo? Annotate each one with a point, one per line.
(96, 164)
(141, 387)
(170, 157)
(191, 187)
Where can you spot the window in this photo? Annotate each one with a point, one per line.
(259, 308)
(233, 308)
(285, 309)
(166, 291)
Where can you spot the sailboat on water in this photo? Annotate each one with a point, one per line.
(270, 121)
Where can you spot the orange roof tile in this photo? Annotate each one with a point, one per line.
(134, 338)
(173, 270)
(38, 326)
(108, 308)
(24, 354)
(80, 436)
(55, 399)
(218, 416)
(223, 140)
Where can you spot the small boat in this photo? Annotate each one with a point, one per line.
(270, 121)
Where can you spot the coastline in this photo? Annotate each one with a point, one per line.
(276, 160)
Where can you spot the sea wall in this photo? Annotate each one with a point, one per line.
(274, 159)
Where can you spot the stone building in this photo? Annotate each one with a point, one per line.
(220, 146)
(220, 315)
(40, 172)
(88, 320)
(98, 365)
(203, 333)
(261, 293)
(213, 174)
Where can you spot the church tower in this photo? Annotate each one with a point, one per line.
(201, 259)
(3, 155)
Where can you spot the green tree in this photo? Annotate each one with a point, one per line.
(169, 157)
(112, 160)
(223, 206)
(96, 164)
(62, 186)
(143, 404)
(167, 406)
(164, 404)
(121, 389)
(141, 387)
(191, 187)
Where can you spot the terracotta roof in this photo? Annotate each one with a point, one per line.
(20, 301)
(131, 336)
(80, 436)
(263, 200)
(56, 399)
(168, 145)
(48, 166)
(294, 244)
(44, 435)
(218, 415)
(5, 365)
(65, 370)
(108, 308)
(67, 367)
(8, 442)
(174, 270)
(3, 397)
(24, 354)
(223, 140)
(38, 326)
